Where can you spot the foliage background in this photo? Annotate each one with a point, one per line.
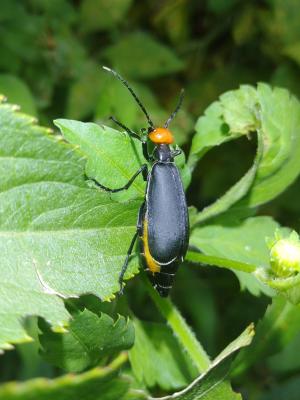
(51, 53)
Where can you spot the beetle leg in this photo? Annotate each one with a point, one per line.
(139, 231)
(143, 169)
(147, 156)
(176, 153)
(125, 265)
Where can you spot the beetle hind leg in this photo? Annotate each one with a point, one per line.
(125, 265)
(129, 251)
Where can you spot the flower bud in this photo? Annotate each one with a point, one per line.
(285, 255)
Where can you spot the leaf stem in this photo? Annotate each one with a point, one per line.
(180, 328)
(117, 363)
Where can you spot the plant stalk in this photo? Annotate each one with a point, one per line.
(180, 328)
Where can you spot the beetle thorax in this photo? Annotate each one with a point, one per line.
(163, 153)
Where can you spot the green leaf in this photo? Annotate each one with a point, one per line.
(89, 338)
(242, 241)
(148, 58)
(280, 324)
(59, 238)
(280, 118)
(96, 384)
(240, 246)
(113, 157)
(158, 359)
(212, 385)
(213, 130)
(275, 115)
(102, 15)
(17, 92)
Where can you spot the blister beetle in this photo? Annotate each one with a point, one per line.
(163, 224)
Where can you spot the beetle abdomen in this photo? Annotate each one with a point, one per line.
(164, 279)
(167, 215)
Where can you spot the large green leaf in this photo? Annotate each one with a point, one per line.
(89, 338)
(59, 238)
(213, 384)
(96, 384)
(275, 115)
(164, 361)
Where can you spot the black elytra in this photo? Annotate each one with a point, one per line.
(163, 223)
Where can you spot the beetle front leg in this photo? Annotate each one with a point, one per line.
(143, 169)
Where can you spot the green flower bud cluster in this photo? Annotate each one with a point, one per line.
(285, 254)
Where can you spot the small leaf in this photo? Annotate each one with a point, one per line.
(242, 241)
(241, 245)
(148, 58)
(164, 362)
(88, 340)
(113, 157)
(96, 384)
(212, 384)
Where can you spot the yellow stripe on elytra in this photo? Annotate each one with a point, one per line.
(151, 263)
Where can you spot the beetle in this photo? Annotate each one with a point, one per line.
(163, 223)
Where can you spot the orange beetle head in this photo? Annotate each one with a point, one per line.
(161, 136)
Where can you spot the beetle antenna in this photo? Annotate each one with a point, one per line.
(171, 117)
(125, 83)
